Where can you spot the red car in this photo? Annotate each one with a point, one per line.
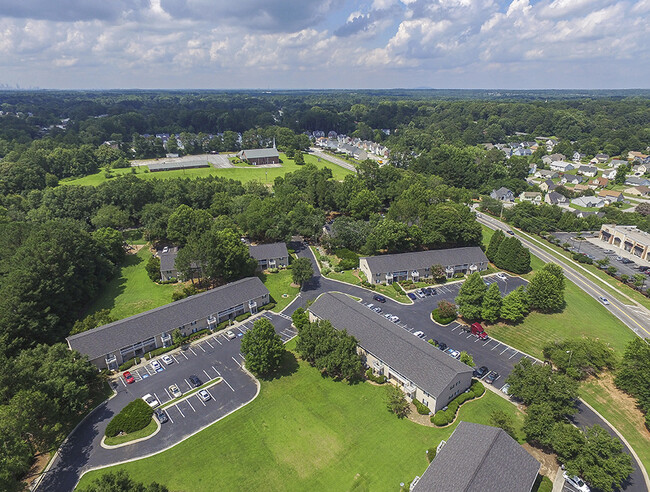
(128, 377)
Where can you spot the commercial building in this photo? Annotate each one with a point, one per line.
(479, 458)
(628, 238)
(273, 255)
(417, 266)
(258, 157)
(410, 363)
(110, 345)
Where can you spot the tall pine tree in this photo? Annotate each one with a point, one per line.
(491, 307)
(495, 241)
(470, 297)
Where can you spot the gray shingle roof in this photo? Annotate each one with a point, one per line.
(415, 359)
(167, 166)
(479, 458)
(260, 153)
(168, 260)
(425, 259)
(114, 336)
(268, 251)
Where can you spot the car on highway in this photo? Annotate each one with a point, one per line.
(161, 415)
(167, 359)
(481, 371)
(175, 391)
(505, 389)
(231, 335)
(151, 400)
(195, 382)
(491, 377)
(128, 377)
(379, 298)
(604, 300)
(452, 353)
(510, 232)
(204, 395)
(419, 334)
(576, 482)
(155, 365)
(411, 296)
(501, 276)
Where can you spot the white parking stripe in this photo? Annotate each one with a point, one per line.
(240, 355)
(233, 389)
(175, 359)
(468, 335)
(217, 340)
(477, 340)
(240, 331)
(454, 328)
(192, 351)
(190, 404)
(236, 361)
(156, 396)
(179, 410)
(149, 372)
(183, 354)
(505, 350)
(122, 381)
(207, 375)
(170, 396)
(169, 416)
(513, 355)
(487, 343)
(187, 383)
(215, 370)
(496, 345)
(208, 392)
(199, 345)
(200, 399)
(211, 346)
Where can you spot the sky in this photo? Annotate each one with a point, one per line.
(320, 44)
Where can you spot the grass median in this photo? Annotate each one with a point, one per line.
(132, 436)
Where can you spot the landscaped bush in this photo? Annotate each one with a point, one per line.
(129, 363)
(582, 258)
(242, 317)
(421, 407)
(431, 453)
(367, 284)
(375, 379)
(133, 417)
(477, 388)
(444, 417)
(349, 259)
(222, 325)
(268, 306)
(172, 280)
(439, 418)
(440, 319)
(158, 351)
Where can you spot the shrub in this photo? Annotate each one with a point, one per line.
(431, 453)
(172, 280)
(375, 379)
(242, 317)
(477, 389)
(349, 259)
(439, 418)
(129, 363)
(422, 408)
(158, 351)
(459, 275)
(222, 325)
(441, 319)
(268, 306)
(326, 271)
(133, 417)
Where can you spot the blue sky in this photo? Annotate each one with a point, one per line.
(223, 44)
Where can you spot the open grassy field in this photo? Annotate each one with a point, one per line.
(239, 173)
(132, 291)
(306, 432)
(279, 285)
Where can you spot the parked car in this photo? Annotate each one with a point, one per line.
(175, 391)
(377, 309)
(370, 306)
(419, 334)
(394, 319)
(128, 377)
(505, 389)
(195, 382)
(481, 371)
(604, 300)
(411, 296)
(150, 400)
(426, 291)
(626, 261)
(379, 298)
(388, 316)
(491, 377)
(167, 359)
(231, 335)
(419, 293)
(576, 482)
(453, 353)
(204, 395)
(433, 291)
(161, 415)
(501, 276)
(442, 346)
(165, 249)
(619, 258)
(155, 365)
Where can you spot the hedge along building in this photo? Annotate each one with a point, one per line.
(415, 366)
(110, 345)
(417, 266)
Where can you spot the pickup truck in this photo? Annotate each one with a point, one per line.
(475, 329)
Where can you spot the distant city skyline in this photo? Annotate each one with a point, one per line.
(323, 44)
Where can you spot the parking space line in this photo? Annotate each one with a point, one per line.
(207, 375)
(215, 370)
(179, 410)
(240, 355)
(192, 351)
(236, 361)
(175, 359)
(170, 396)
(217, 340)
(468, 335)
(233, 389)
(199, 345)
(169, 416)
(183, 354)
(454, 328)
(122, 381)
(187, 383)
(513, 355)
(156, 396)
(211, 346)
(496, 346)
(208, 392)
(200, 399)
(190, 404)
(477, 340)
(487, 343)
(150, 373)
(505, 350)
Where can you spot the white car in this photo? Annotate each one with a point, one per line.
(576, 482)
(230, 335)
(501, 276)
(175, 391)
(505, 388)
(167, 359)
(604, 300)
(394, 319)
(204, 395)
(156, 365)
(419, 334)
(150, 400)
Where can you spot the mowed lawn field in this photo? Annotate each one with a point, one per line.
(239, 173)
(305, 432)
(279, 285)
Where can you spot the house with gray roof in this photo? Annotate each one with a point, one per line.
(590, 171)
(412, 364)
(555, 198)
(637, 181)
(479, 458)
(274, 255)
(168, 269)
(503, 194)
(546, 174)
(588, 202)
(258, 157)
(417, 266)
(110, 345)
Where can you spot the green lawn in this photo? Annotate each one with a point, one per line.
(132, 291)
(279, 284)
(239, 173)
(147, 431)
(305, 432)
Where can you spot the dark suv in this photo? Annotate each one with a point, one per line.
(194, 381)
(480, 372)
(379, 298)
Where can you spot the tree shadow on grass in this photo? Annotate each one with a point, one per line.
(288, 367)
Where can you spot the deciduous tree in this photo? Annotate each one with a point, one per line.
(262, 347)
(491, 306)
(470, 297)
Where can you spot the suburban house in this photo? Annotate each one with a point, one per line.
(273, 255)
(415, 366)
(532, 168)
(503, 194)
(546, 174)
(639, 169)
(571, 179)
(554, 198)
(598, 183)
(588, 202)
(638, 191)
(110, 345)
(610, 196)
(547, 159)
(637, 181)
(416, 266)
(562, 166)
(547, 186)
(168, 264)
(258, 157)
(581, 214)
(590, 171)
(616, 163)
(628, 238)
(479, 458)
(577, 157)
(609, 174)
(601, 158)
(637, 156)
(531, 196)
(579, 188)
